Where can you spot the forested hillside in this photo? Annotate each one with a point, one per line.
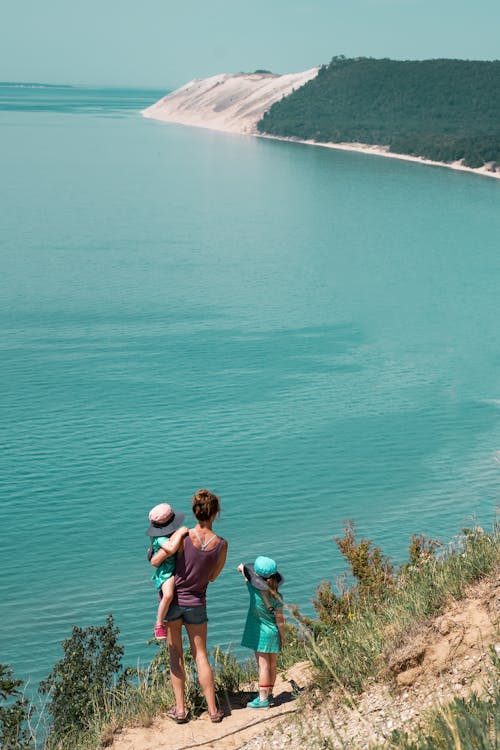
(444, 110)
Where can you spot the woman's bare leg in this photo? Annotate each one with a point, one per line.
(198, 640)
(177, 672)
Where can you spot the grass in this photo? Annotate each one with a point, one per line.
(348, 651)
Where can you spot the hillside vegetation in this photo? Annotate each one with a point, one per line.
(445, 110)
(388, 639)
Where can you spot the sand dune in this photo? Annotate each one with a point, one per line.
(230, 102)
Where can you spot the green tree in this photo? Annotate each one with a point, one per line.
(79, 682)
(14, 712)
(446, 110)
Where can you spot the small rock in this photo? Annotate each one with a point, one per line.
(444, 625)
(408, 677)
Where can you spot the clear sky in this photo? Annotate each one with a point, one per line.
(165, 43)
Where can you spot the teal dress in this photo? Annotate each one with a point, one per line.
(261, 632)
(167, 569)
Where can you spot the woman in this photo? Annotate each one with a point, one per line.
(200, 559)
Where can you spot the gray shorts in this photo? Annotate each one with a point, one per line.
(189, 615)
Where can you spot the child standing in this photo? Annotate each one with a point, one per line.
(264, 629)
(167, 533)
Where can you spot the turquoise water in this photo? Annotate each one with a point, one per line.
(312, 334)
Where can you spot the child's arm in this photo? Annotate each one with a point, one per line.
(241, 569)
(171, 547)
(280, 624)
(173, 544)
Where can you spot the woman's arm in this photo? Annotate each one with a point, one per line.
(171, 547)
(280, 624)
(221, 562)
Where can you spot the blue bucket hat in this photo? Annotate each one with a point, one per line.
(259, 571)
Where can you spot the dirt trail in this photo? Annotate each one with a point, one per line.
(239, 725)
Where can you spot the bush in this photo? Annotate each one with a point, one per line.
(14, 712)
(80, 681)
(371, 571)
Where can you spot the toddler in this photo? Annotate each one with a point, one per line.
(167, 534)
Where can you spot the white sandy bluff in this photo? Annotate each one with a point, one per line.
(230, 102)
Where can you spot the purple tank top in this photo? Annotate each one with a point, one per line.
(193, 568)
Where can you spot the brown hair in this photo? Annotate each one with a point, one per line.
(272, 585)
(205, 505)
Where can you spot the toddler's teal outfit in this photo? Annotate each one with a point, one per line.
(261, 632)
(167, 569)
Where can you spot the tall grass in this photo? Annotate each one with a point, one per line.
(347, 651)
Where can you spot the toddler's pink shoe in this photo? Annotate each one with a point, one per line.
(160, 632)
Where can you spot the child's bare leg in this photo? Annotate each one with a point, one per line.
(273, 661)
(272, 671)
(265, 674)
(167, 590)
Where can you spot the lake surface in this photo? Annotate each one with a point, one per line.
(311, 334)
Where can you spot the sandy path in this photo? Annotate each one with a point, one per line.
(239, 726)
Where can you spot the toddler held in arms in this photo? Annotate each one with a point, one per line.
(265, 628)
(167, 534)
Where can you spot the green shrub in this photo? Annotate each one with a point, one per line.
(15, 711)
(371, 571)
(80, 681)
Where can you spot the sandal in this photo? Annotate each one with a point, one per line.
(217, 716)
(180, 717)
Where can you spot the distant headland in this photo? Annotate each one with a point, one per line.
(441, 112)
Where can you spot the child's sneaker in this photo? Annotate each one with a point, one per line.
(160, 632)
(257, 703)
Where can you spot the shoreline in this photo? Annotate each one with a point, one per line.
(359, 148)
(373, 150)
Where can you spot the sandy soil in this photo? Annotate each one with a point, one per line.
(234, 103)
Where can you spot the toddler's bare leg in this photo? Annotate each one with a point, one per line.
(167, 589)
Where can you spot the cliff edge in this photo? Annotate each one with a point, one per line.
(438, 660)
